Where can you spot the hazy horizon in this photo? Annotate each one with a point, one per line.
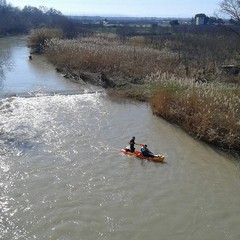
(126, 8)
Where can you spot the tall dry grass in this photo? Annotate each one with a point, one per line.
(210, 112)
(107, 53)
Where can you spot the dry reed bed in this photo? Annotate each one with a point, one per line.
(210, 112)
(109, 55)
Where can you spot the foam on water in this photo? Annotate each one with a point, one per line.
(32, 128)
(29, 122)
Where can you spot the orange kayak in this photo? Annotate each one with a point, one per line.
(138, 154)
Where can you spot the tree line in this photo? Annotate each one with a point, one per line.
(16, 21)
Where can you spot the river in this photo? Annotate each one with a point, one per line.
(62, 176)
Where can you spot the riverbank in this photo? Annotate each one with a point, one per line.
(207, 110)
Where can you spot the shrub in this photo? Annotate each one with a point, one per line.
(39, 37)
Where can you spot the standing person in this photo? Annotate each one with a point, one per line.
(132, 143)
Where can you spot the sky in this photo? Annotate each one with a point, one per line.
(130, 8)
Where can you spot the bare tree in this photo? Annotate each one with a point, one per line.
(231, 8)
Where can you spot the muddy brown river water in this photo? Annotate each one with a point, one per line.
(62, 176)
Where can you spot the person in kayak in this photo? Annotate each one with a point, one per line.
(132, 143)
(146, 152)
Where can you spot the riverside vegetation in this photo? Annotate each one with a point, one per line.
(180, 74)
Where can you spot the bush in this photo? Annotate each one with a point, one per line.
(39, 37)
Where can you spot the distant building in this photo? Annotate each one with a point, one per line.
(200, 19)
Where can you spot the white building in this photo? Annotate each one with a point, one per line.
(200, 19)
